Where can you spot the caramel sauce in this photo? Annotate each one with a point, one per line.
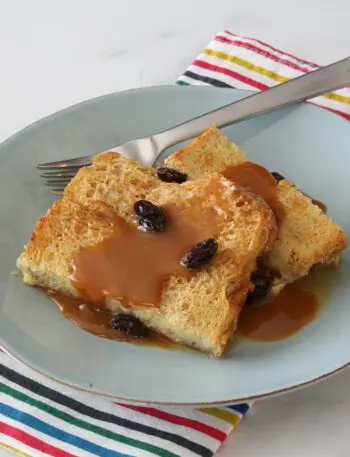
(96, 321)
(131, 266)
(279, 318)
(259, 181)
(296, 306)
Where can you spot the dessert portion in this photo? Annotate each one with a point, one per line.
(176, 254)
(133, 253)
(307, 236)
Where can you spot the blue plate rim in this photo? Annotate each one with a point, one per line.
(130, 401)
(43, 372)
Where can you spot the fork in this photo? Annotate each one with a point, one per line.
(148, 150)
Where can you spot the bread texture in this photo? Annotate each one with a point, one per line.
(200, 311)
(307, 236)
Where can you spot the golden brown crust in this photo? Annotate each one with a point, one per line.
(113, 179)
(201, 311)
(66, 227)
(210, 153)
(307, 236)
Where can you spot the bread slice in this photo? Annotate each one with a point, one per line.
(115, 180)
(199, 311)
(307, 237)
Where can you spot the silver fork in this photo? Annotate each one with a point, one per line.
(148, 150)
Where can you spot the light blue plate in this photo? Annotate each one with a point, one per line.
(307, 144)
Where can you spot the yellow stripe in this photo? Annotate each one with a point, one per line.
(223, 414)
(263, 71)
(246, 64)
(12, 449)
(338, 98)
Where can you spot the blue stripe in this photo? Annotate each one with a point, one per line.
(242, 408)
(33, 422)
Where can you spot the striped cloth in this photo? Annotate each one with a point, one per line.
(246, 63)
(39, 417)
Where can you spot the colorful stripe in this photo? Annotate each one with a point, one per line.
(265, 72)
(260, 51)
(307, 62)
(175, 419)
(70, 402)
(223, 414)
(241, 408)
(39, 417)
(232, 74)
(31, 441)
(204, 79)
(70, 419)
(12, 449)
(247, 63)
(55, 432)
(263, 52)
(335, 111)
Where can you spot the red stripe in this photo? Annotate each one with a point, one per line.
(340, 113)
(32, 442)
(261, 51)
(256, 84)
(232, 74)
(276, 49)
(267, 54)
(179, 420)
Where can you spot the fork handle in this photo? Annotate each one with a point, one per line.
(299, 89)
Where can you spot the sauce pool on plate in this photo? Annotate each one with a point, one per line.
(97, 321)
(296, 306)
(281, 317)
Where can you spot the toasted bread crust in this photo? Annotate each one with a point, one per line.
(201, 311)
(307, 236)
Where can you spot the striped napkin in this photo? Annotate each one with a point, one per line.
(40, 417)
(246, 63)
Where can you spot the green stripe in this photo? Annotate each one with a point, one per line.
(84, 425)
(181, 83)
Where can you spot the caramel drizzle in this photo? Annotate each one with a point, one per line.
(132, 266)
(259, 181)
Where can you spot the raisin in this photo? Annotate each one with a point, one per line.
(262, 286)
(150, 218)
(126, 323)
(171, 175)
(277, 176)
(200, 254)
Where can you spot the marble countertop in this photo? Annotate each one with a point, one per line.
(55, 54)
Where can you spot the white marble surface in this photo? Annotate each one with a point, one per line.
(56, 53)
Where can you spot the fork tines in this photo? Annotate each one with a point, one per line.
(58, 179)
